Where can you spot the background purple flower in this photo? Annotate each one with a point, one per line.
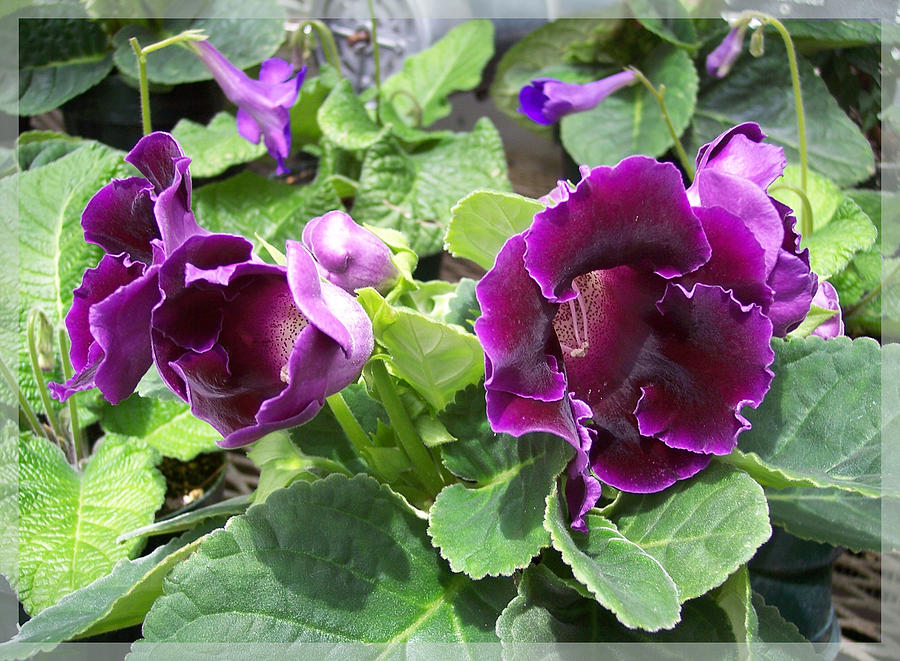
(546, 100)
(721, 59)
(251, 346)
(827, 297)
(264, 104)
(633, 324)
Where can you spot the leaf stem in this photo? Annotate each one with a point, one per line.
(348, 422)
(806, 214)
(24, 404)
(68, 372)
(409, 438)
(376, 55)
(144, 85)
(38, 374)
(326, 39)
(659, 95)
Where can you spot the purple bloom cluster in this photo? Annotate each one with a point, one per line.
(634, 317)
(253, 347)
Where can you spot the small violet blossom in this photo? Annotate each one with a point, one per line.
(138, 221)
(349, 256)
(546, 100)
(633, 318)
(264, 104)
(827, 297)
(723, 57)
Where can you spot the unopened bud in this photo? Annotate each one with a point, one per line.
(757, 43)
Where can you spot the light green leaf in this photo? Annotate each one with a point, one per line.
(630, 121)
(304, 123)
(190, 519)
(701, 529)
(215, 147)
(114, 601)
(59, 58)
(336, 560)
(69, 520)
(244, 41)
(823, 194)
(166, 425)
(414, 192)
(832, 247)
(820, 423)
(482, 221)
(37, 148)
(814, 318)
(436, 359)
(452, 64)
(249, 204)
(759, 90)
(620, 574)
(344, 120)
(493, 524)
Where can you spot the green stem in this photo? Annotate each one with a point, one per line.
(68, 372)
(806, 214)
(24, 404)
(326, 39)
(38, 374)
(376, 54)
(658, 95)
(327, 465)
(409, 438)
(348, 422)
(865, 300)
(145, 87)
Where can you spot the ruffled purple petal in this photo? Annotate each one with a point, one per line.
(794, 286)
(827, 297)
(119, 218)
(275, 70)
(635, 213)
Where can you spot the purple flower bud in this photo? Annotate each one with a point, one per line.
(264, 104)
(719, 62)
(827, 297)
(546, 100)
(350, 256)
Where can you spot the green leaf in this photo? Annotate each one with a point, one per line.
(814, 318)
(549, 609)
(414, 192)
(700, 529)
(620, 574)
(820, 423)
(69, 520)
(336, 560)
(215, 147)
(773, 629)
(304, 123)
(244, 41)
(808, 35)
(37, 148)
(667, 20)
(249, 204)
(114, 601)
(759, 90)
(832, 247)
(493, 524)
(166, 425)
(544, 48)
(344, 120)
(823, 194)
(452, 64)
(482, 221)
(436, 359)
(630, 121)
(59, 58)
(190, 519)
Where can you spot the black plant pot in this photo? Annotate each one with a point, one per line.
(111, 111)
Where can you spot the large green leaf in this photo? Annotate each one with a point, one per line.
(215, 147)
(436, 359)
(622, 576)
(116, 600)
(700, 529)
(344, 120)
(668, 20)
(414, 193)
(69, 520)
(59, 58)
(832, 33)
(244, 41)
(166, 425)
(493, 524)
(483, 221)
(452, 64)
(336, 560)
(759, 90)
(820, 423)
(37, 148)
(544, 48)
(249, 204)
(630, 121)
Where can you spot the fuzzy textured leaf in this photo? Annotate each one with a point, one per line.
(344, 120)
(37, 148)
(215, 147)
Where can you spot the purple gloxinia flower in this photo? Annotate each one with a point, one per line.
(827, 297)
(137, 221)
(254, 347)
(721, 59)
(633, 317)
(546, 100)
(264, 104)
(350, 256)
